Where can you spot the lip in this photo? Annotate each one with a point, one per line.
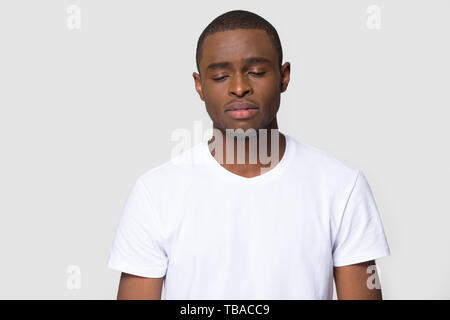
(238, 105)
(241, 110)
(242, 114)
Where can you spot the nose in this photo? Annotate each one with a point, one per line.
(239, 86)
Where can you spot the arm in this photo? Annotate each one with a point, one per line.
(133, 287)
(353, 283)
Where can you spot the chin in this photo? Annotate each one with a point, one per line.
(240, 125)
(245, 127)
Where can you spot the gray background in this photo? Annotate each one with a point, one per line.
(84, 112)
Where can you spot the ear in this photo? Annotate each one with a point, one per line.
(285, 76)
(198, 85)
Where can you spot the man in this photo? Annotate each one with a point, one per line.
(244, 228)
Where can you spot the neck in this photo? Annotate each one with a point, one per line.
(248, 151)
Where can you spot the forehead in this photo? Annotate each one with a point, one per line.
(235, 45)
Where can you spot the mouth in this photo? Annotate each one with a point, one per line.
(241, 110)
(243, 113)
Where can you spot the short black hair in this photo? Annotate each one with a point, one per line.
(239, 19)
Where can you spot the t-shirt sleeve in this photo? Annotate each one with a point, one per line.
(137, 246)
(360, 236)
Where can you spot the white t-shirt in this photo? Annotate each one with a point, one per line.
(217, 235)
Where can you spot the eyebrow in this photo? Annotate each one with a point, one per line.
(225, 64)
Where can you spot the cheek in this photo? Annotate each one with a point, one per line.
(213, 108)
(270, 95)
(214, 100)
(208, 93)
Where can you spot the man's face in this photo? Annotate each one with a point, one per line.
(239, 69)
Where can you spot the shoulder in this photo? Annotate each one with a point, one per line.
(179, 169)
(323, 167)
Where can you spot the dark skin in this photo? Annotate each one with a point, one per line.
(230, 72)
(260, 81)
(132, 287)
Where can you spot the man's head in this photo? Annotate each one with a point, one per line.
(239, 58)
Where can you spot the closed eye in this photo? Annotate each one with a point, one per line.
(257, 73)
(219, 79)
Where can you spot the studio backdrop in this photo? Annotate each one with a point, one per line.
(93, 92)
